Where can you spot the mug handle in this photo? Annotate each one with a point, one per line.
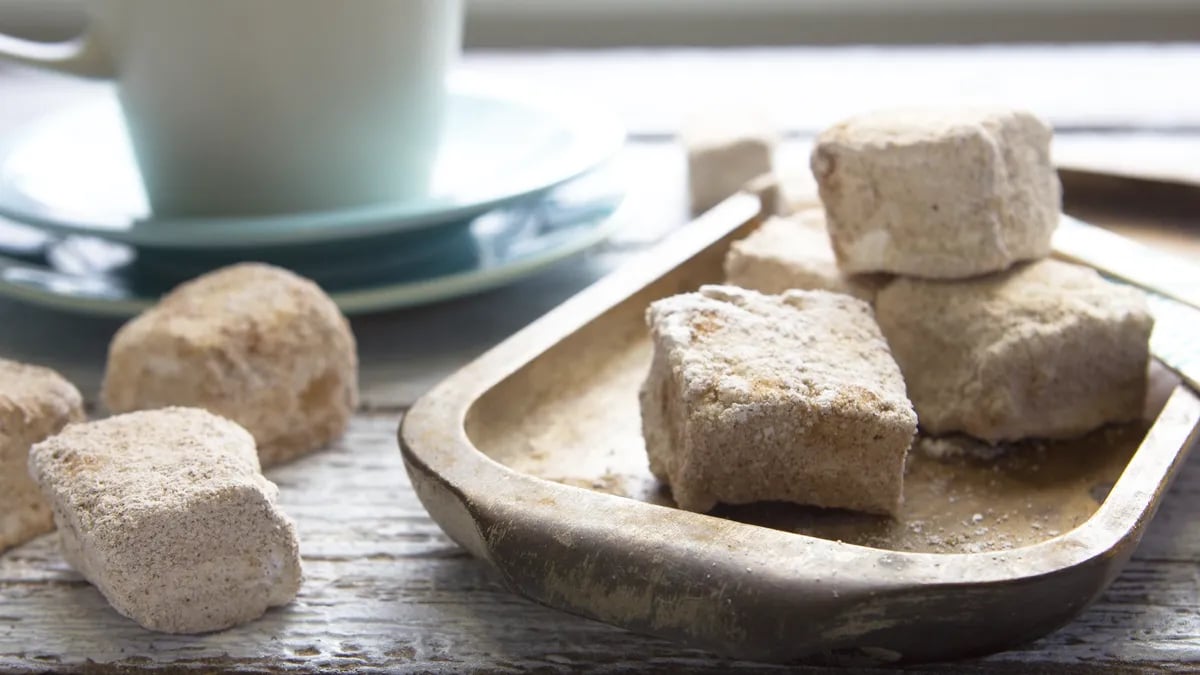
(83, 56)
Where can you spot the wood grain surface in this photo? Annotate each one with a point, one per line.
(385, 590)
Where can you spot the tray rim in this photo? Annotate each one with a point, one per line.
(440, 456)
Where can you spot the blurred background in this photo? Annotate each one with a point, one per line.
(504, 24)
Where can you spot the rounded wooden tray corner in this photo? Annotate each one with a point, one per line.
(763, 594)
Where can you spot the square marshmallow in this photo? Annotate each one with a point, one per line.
(1046, 350)
(940, 194)
(167, 513)
(790, 398)
(794, 253)
(35, 403)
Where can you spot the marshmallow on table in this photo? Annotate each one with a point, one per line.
(1047, 350)
(938, 193)
(167, 513)
(794, 253)
(35, 403)
(724, 153)
(790, 398)
(253, 343)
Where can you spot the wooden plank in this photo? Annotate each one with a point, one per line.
(385, 590)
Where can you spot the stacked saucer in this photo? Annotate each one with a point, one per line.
(520, 183)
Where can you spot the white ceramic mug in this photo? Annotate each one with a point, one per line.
(270, 106)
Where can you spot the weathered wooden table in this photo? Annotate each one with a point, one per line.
(386, 590)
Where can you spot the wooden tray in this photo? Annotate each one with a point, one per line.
(532, 459)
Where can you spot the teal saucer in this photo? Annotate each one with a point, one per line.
(98, 277)
(73, 174)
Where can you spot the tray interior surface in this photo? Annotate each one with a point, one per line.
(571, 416)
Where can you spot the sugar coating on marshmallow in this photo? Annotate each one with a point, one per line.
(35, 403)
(253, 343)
(1047, 350)
(790, 398)
(794, 253)
(938, 193)
(167, 513)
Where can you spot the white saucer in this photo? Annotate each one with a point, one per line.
(86, 275)
(74, 173)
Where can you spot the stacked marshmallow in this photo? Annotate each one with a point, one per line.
(944, 219)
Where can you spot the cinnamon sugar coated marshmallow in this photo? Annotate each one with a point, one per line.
(35, 402)
(253, 343)
(1047, 349)
(167, 513)
(794, 253)
(938, 193)
(790, 398)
